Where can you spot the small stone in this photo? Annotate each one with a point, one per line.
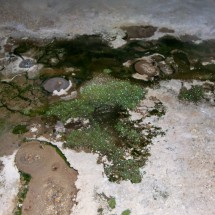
(208, 85)
(140, 77)
(53, 61)
(27, 63)
(73, 95)
(165, 68)
(212, 101)
(171, 63)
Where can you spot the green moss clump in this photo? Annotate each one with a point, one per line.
(99, 140)
(93, 139)
(126, 212)
(20, 129)
(120, 93)
(194, 94)
(112, 203)
(123, 169)
(113, 93)
(128, 133)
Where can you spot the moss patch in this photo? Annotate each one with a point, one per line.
(100, 140)
(112, 203)
(194, 94)
(114, 93)
(111, 134)
(25, 179)
(20, 129)
(126, 212)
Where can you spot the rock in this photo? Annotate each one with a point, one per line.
(77, 123)
(116, 37)
(59, 127)
(166, 30)
(170, 62)
(27, 63)
(146, 69)
(208, 85)
(188, 38)
(157, 57)
(56, 83)
(165, 68)
(135, 116)
(181, 58)
(209, 92)
(34, 72)
(212, 101)
(114, 34)
(53, 61)
(73, 95)
(208, 95)
(139, 31)
(140, 77)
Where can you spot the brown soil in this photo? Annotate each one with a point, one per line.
(52, 187)
(9, 141)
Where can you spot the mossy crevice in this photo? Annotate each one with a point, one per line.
(194, 94)
(25, 179)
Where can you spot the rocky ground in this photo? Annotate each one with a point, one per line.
(178, 177)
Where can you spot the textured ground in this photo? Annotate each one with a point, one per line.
(179, 176)
(51, 189)
(50, 18)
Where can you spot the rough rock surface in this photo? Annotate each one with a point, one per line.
(146, 69)
(51, 189)
(179, 175)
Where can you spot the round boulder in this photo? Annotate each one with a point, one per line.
(146, 69)
(56, 83)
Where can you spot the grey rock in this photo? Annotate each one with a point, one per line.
(27, 63)
(165, 68)
(56, 83)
